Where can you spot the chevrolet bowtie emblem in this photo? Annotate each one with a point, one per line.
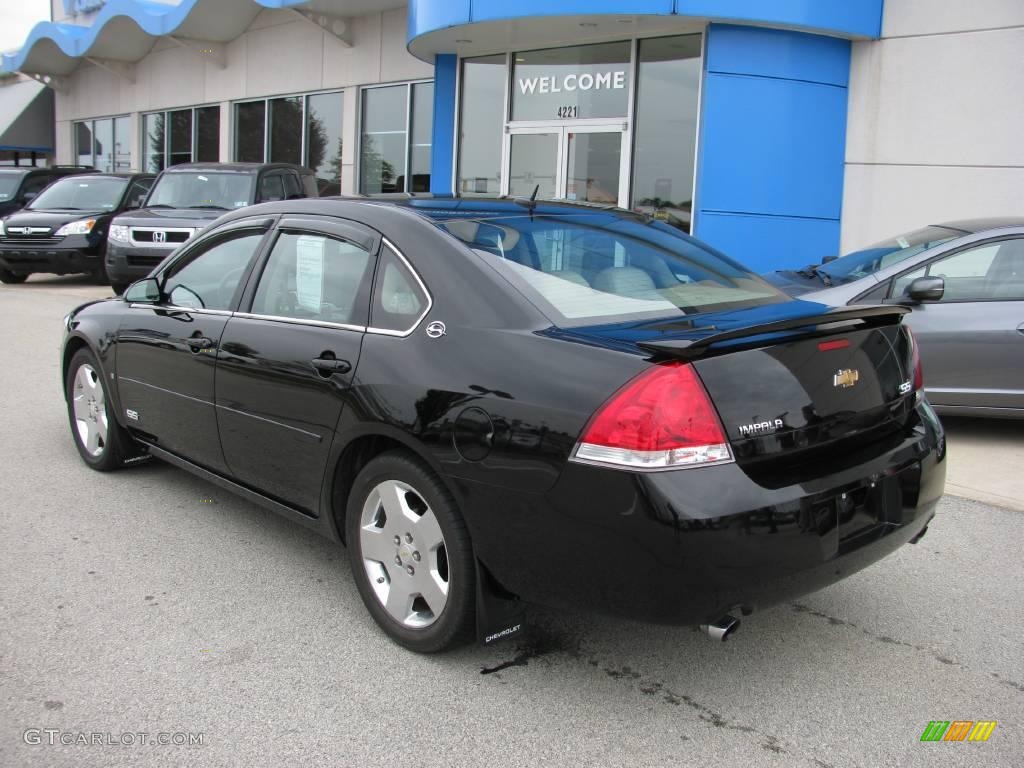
(846, 378)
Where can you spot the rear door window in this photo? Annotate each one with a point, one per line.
(315, 277)
(399, 298)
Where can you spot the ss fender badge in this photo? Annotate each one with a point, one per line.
(846, 378)
(436, 329)
(133, 415)
(905, 387)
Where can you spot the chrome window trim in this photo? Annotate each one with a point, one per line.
(423, 287)
(301, 321)
(189, 310)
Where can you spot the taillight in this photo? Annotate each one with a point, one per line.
(662, 419)
(915, 362)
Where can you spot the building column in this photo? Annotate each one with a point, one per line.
(226, 124)
(442, 162)
(772, 145)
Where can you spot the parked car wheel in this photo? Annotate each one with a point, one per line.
(101, 441)
(9, 278)
(411, 554)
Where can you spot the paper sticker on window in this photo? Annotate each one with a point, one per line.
(309, 272)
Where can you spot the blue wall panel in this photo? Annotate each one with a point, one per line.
(442, 153)
(764, 243)
(788, 55)
(848, 18)
(772, 145)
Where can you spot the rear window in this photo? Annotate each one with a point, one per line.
(584, 269)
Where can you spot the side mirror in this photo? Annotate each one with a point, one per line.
(144, 291)
(926, 289)
(827, 259)
(28, 197)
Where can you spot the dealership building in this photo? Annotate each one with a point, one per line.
(780, 131)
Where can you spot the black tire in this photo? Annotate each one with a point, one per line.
(9, 278)
(99, 275)
(117, 446)
(457, 620)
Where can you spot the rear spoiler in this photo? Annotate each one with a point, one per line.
(868, 316)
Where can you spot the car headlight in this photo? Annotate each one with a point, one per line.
(83, 227)
(120, 233)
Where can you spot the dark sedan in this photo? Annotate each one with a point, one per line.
(64, 230)
(965, 282)
(495, 402)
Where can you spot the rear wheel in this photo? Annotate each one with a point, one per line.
(101, 441)
(411, 555)
(9, 278)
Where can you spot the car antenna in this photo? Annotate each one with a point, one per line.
(529, 203)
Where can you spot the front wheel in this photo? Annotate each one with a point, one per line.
(411, 555)
(9, 278)
(101, 441)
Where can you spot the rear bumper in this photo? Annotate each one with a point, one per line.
(128, 263)
(684, 547)
(71, 255)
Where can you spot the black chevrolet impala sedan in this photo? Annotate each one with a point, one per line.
(498, 402)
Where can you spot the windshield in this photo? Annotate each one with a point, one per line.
(202, 190)
(80, 194)
(858, 264)
(9, 185)
(581, 269)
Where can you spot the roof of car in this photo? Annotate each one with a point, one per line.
(108, 176)
(231, 167)
(980, 225)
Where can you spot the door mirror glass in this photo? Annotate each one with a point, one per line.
(144, 291)
(926, 289)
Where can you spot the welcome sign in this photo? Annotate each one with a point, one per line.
(572, 82)
(587, 81)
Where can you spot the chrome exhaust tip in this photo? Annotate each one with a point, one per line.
(722, 628)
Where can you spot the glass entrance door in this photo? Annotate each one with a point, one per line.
(583, 163)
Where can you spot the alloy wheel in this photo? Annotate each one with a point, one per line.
(90, 408)
(404, 554)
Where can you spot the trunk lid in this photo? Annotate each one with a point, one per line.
(795, 381)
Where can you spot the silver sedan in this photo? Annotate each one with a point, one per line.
(965, 283)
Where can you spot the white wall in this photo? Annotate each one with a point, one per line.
(281, 53)
(936, 121)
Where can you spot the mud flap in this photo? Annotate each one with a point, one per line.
(499, 614)
(136, 453)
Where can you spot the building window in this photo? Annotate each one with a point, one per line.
(397, 137)
(104, 144)
(572, 83)
(181, 136)
(481, 123)
(304, 130)
(665, 134)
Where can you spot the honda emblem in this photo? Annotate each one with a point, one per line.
(159, 237)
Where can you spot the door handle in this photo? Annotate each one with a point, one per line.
(328, 366)
(199, 343)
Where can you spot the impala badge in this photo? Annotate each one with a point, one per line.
(436, 330)
(846, 378)
(761, 427)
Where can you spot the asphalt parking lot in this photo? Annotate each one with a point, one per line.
(149, 601)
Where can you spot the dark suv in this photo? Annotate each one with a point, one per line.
(64, 229)
(184, 200)
(20, 185)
